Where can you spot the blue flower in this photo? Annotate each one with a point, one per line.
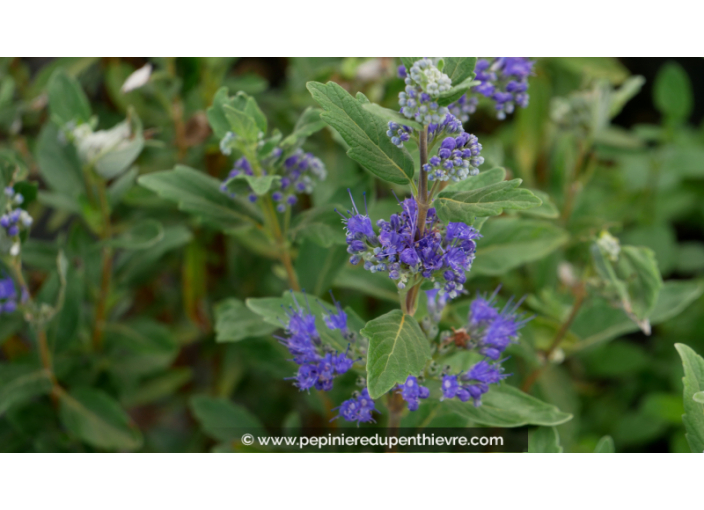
(463, 107)
(397, 250)
(505, 81)
(337, 320)
(8, 295)
(492, 330)
(357, 409)
(457, 159)
(319, 366)
(450, 125)
(398, 134)
(412, 392)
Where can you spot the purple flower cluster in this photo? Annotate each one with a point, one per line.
(338, 320)
(450, 125)
(463, 107)
(505, 81)
(424, 84)
(491, 330)
(14, 219)
(442, 254)
(8, 296)
(473, 383)
(318, 365)
(456, 159)
(398, 134)
(357, 409)
(436, 301)
(411, 391)
(242, 167)
(296, 179)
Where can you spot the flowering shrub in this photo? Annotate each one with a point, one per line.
(503, 251)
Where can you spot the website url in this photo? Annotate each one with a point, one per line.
(373, 440)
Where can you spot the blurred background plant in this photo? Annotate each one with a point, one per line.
(134, 333)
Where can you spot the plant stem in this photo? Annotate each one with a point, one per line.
(422, 198)
(581, 294)
(395, 407)
(106, 271)
(280, 239)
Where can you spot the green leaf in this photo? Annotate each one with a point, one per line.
(388, 115)
(408, 61)
(252, 109)
(598, 322)
(59, 164)
(698, 397)
(507, 243)
(364, 133)
(23, 388)
(605, 445)
(459, 68)
(242, 124)
(506, 406)
(308, 124)
(321, 225)
(481, 180)
(632, 280)
(235, 322)
(158, 387)
(672, 92)
(378, 285)
(693, 384)
(144, 234)
(638, 268)
(200, 194)
(457, 91)
(317, 267)
(259, 185)
(625, 93)
(216, 115)
(273, 311)
(120, 186)
(466, 206)
(544, 440)
(67, 101)
(96, 418)
(397, 348)
(545, 210)
(221, 419)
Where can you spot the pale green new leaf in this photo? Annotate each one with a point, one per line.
(397, 348)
